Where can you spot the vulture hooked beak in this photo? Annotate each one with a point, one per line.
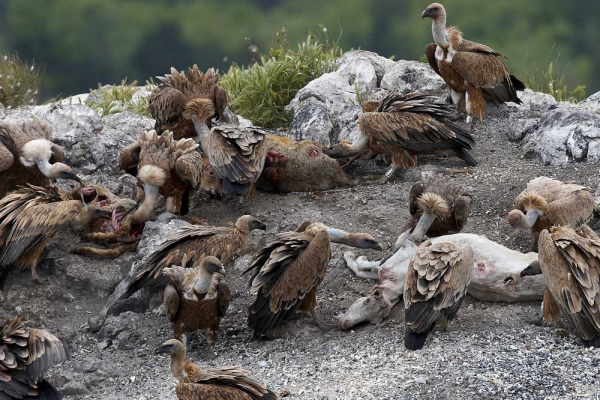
(258, 225)
(162, 349)
(422, 227)
(532, 269)
(426, 13)
(70, 176)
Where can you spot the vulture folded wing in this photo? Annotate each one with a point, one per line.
(129, 158)
(6, 158)
(417, 189)
(573, 209)
(224, 298)
(189, 168)
(58, 154)
(171, 301)
(36, 224)
(436, 283)
(474, 47)
(227, 383)
(166, 104)
(430, 54)
(45, 350)
(461, 211)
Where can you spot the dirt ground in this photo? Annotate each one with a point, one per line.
(489, 351)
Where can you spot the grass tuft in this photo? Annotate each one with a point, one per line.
(108, 100)
(20, 81)
(261, 91)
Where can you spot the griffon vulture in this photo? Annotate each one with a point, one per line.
(547, 202)
(438, 206)
(472, 71)
(29, 217)
(163, 165)
(405, 126)
(25, 356)
(176, 100)
(196, 298)
(192, 244)
(570, 262)
(287, 272)
(223, 383)
(436, 283)
(28, 156)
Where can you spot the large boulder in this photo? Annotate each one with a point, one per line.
(326, 110)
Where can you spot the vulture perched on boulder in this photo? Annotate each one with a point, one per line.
(287, 272)
(570, 262)
(25, 356)
(547, 202)
(30, 216)
(405, 126)
(176, 100)
(28, 156)
(438, 206)
(436, 283)
(473, 72)
(196, 298)
(190, 245)
(162, 165)
(223, 383)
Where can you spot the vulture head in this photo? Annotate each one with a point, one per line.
(172, 347)
(358, 240)
(201, 112)
(248, 223)
(434, 11)
(533, 205)
(432, 206)
(342, 149)
(38, 152)
(532, 269)
(87, 214)
(212, 265)
(199, 282)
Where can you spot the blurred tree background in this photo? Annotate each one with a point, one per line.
(83, 42)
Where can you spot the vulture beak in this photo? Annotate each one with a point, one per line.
(160, 350)
(70, 176)
(532, 269)
(100, 213)
(221, 270)
(259, 225)
(531, 218)
(426, 13)
(422, 227)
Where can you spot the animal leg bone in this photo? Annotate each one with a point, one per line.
(113, 252)
(361, 272)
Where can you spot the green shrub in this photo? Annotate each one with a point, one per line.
(108, 100)
(20, 81)
(260, 91)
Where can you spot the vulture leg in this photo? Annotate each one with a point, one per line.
(457, 97)
(468, 108)
(170, 205)
(31, 259)
(309, 305)
(359, 266)
(388, 175)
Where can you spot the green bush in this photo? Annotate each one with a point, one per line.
(108, 100)
(20, 81)
(260, 91)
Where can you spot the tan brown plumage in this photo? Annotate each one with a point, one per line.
(436, 283)
(468, 68)
(237, 156)
(570, 262)
(547, 202)
(287, 272)
(163, 165)
(172, 103)
(188, 247)
(438, 206)
(408, 125)
(223, 383)
(28, 156)
(25, 356)
(29, 217)
(196, 298)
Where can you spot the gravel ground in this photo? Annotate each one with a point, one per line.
(488, 351)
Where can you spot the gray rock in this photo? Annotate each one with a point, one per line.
(74, 388)
(591, 103)
(312, 122)
(412, 76)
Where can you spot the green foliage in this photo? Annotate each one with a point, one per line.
(113, 99)
(552, 80)
(20, 81)
(260, 91)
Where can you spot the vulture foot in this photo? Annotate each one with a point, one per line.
(469, 119)
(322, 324)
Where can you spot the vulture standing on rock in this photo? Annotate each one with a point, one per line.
(196, 298)
(28, 156)
(288, 271)
(570, 262)
(188, 247)
(25, 355)
(405, 126)
(438, 206)
(436, 283)
(163, 165)
(547, 202)
(30, 216)
(472, 71)
(173, 101)
(223, 383)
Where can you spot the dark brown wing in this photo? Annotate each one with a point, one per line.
(171, 301)
(129, 158)
(415, 192)
(430, 54)
(461, 211)
(474, 47)
(224, 298)
(192, 243)
(285, 271)
(227, 383)
(166, 104)
(189, 168)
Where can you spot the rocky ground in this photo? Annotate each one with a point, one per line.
(489, 351)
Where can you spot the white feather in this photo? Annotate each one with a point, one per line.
(34, 150)
(152, 175)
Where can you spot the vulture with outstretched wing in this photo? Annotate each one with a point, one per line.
(25, 356)
(473, 72)
(436, 283)
(405, 126)
(176, 99)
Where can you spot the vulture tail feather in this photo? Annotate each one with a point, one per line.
(235, 189)
(45, 392)
(595, 342)
(517, 84)
(466, 156)
(415, 340)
